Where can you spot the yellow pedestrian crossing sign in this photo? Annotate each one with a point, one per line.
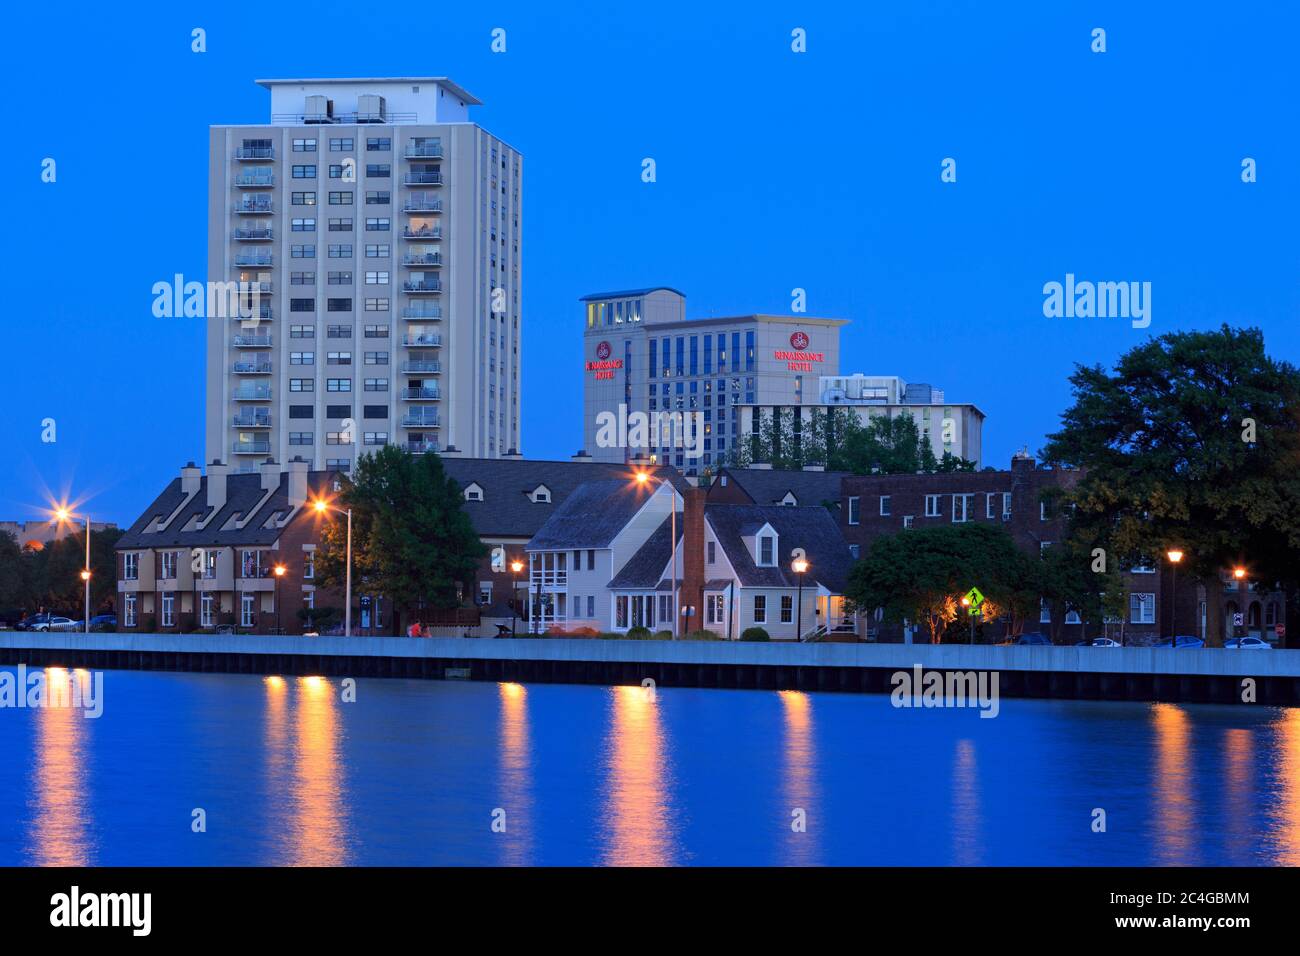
(974, 597)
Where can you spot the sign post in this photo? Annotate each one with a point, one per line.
(973, 600)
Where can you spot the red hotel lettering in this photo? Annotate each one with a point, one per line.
(799, 361)
(604, 369)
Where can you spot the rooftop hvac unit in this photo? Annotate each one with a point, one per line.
(370, 108)
(319, 109)
(833, 396)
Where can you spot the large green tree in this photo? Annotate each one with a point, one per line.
(1192, 442)
(50, 577)
(412, 541)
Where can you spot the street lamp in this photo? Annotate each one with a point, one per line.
(322, 506)
(63, 514)
(799, 565)
(1174, 557)
(641, 478)
(516, 567)
(965, 603)
(279, 623)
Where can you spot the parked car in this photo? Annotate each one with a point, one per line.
(30, 621)
(1034, 639)
(1182, 640)
(1102, 642)
(56, 623)
(1246, 644)
(101, 622)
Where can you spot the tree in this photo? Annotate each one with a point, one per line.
(1190, 443)
(411, 538)
(921, 575)
(53, 573)
(1069, 581)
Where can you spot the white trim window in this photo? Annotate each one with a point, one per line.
(1006, 505)
(787, 609)
(246, 613)
(855, 509)
(766, 550)
(128, 617)
(168, 609)
(962, 508)
(130, 567)
(1142, 607)
(907, 521)
(886, 506)
(932, 506)
(714, 608)
(760, 608)
(1044, 612)
(205, 611)
(990, 501)
(168, 572)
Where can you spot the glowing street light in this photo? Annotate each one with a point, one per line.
(642, 477)
(279, 570)
(62, 515)
(799, 566)
(1174, 556)
(516, 566)
(1238, 573)
(322, 506)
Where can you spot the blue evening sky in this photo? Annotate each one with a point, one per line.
(776, 170)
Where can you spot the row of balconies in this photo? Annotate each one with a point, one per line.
(413, 151)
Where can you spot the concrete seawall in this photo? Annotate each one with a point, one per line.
(1136, 673)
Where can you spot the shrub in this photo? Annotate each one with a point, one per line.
(638, 633)
(703, 635)
(754, 634)
(663, 635)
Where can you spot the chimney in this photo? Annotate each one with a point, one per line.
(582, 455)
(451, 451)
(513, 453)
(297, 482)
(1023, 461)
(270, 474)
(217, 485)
(190, 478)
(692, 586)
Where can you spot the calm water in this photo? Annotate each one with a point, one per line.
(412, 772)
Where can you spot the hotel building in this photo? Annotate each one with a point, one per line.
(642, 353)
(379, 229)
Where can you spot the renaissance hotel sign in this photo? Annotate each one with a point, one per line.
(798, 358)
(604, 366)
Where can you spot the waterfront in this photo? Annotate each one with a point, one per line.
(415, 772)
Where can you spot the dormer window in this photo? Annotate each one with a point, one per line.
(473, 492)
(767, 550)
(541, 495)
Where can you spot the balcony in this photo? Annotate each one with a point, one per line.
(252, 393)
(253, 259)
(422, 287)
(251, 341)
(548, 579)
(251, 448)
(255, 180)
(426, 340)
(422, 179)
(422, 312)
(421, 368)
(427, 393)
(423, 259)
(259, 420)
(419, 447)
(423, 151)
(263, 234)
(417, 419)
(254, 152)
(258, 206)
(423, 233)
(251, 368)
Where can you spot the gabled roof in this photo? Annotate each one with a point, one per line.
(813, 529)
(646, 567)
(243, 492)
(770, 486)
(507, 510)
(593, 515)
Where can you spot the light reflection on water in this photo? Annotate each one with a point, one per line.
(413, 771)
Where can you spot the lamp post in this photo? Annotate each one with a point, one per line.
(799, 565)
(279, 622)
(965, 603)
(321, 507)
(1239, 575)
(516, 567)
(63, 514)
(1174, 557)
(641, 478)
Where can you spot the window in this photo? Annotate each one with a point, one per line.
(1042, 511)
(962, 506)
(301, 385)
(787, 609)
(304, 145)
(591, 605)
(338, 385)
(760, 608)
(300, 438)
(130, 608)
(340, 224)
(886, 505)
(168, 609)
(130, 567)
(854, 510)
(1006, 505)
(338, 358)
(302, 305)
(620, 611)
(302, 358)
(340, 197)
(714, 609)
(767, 550)
(304, 198)
(855, 550)
(1142, 608)
(990, 505)
(341, 144)
(932, 506)
(304, 171)
(711, 549)
(1044, 612)
(1145, 566)
(205, 611)
(907, 521)
(246, 610)
(168, 565)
